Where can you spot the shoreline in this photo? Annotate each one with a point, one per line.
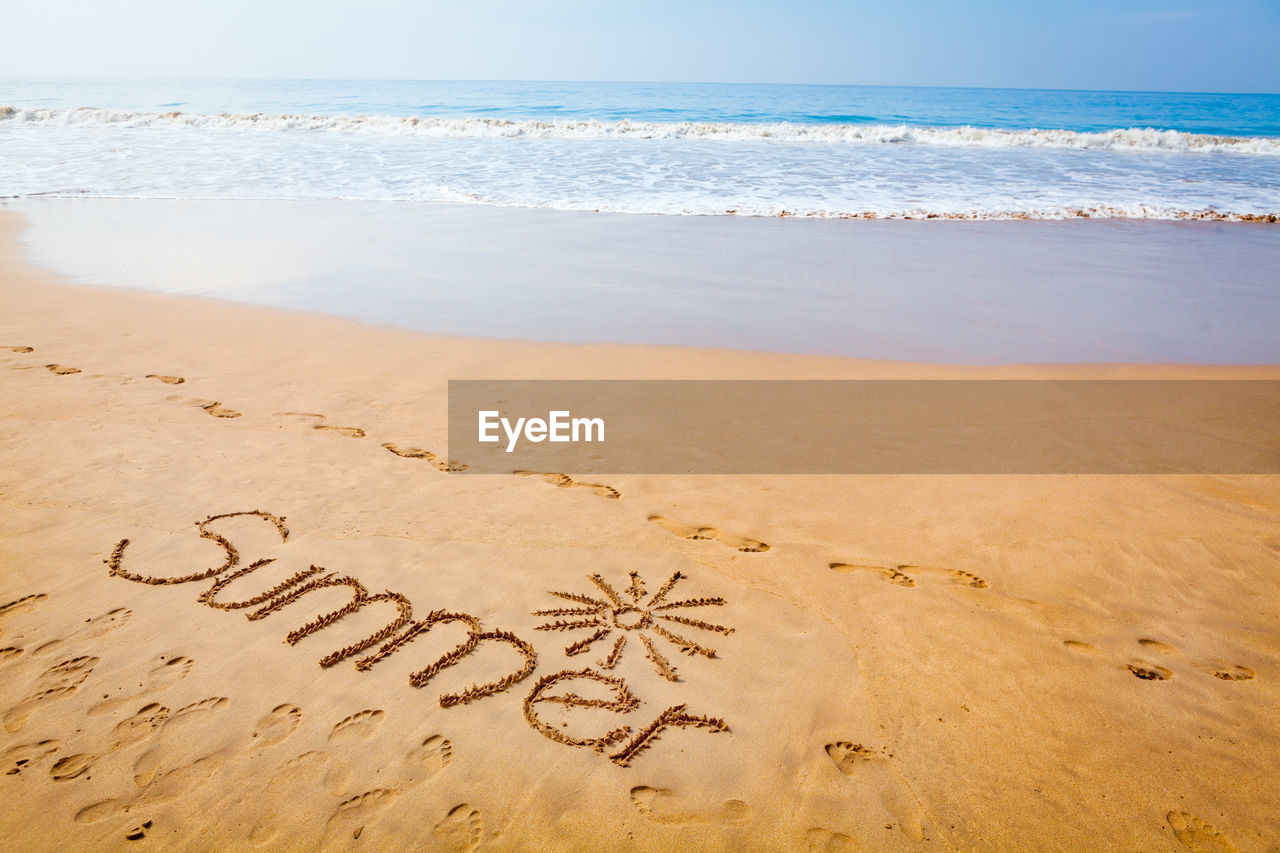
(1102, 214)
(1096, 657)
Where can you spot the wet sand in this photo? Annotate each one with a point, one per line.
(938, 292)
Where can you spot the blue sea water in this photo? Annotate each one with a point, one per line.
(712, 149)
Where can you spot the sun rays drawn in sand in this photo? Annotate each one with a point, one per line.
(631, 613)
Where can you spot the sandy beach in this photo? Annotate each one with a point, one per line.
(859, 662)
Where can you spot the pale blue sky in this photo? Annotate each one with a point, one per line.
(1185, 45)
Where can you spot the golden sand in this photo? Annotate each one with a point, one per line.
(438, 660)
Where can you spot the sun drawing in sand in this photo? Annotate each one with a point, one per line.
(630, 613)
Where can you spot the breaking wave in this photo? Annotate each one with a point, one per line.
(1130, 139)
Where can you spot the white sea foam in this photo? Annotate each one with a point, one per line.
(1130, 139)
(826, 171)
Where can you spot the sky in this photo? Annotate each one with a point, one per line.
(1163, 45)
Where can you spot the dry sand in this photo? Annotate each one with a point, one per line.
(938, 663)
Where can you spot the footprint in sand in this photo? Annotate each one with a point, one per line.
(164, 789)
(564, 481)
(58, 682)
(61, 369)
(349, 432)
(295, 780)
(277, 725)
(25, 603)
(1218, 669)
(99, 626)
(1198, 836)
(171, 751)
(848, 756)
(429, 759)
(18, 349)
(661, 806)
(427, 455)
(351, 816)
(167, 380)
(27, 755)
(902, 574)
(359, 726)
(138, 727)
(892, 575)
(72, 766)
(689, 531)
(875, 776)
(165, 673)
(114, 378)
(819, 840)
(1232, 672)
(333, 774)
(1148, 671)
(461, 830)
(215, 409)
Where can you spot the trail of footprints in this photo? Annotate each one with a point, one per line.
(686, 531)
(1147, 670)
(329, 771)
(167, 755)
(1141, 667)
(168, 671)
(167, 770)
(92, 629)
(217, 409)
(61, 680)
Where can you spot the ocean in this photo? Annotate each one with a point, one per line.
(700, 149)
